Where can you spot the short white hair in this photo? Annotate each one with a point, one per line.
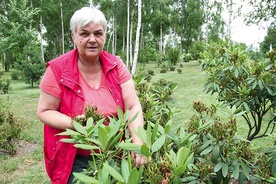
(84, 16)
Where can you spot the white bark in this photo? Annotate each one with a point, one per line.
(136, 51)
(114, 36)
(127, 48)
(41, 41)
(62, 27)
(130, 38)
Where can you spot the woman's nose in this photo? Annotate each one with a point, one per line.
(91, 38)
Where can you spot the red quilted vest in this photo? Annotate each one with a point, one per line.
(59, 156)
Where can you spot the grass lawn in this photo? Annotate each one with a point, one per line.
(28, 165)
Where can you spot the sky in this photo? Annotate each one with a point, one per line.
(251, 35)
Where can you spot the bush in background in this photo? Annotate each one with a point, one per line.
(10, 129)
(5, 86)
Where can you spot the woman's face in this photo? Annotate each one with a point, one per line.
(89, 40)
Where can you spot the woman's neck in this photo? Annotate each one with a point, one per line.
(89, 66)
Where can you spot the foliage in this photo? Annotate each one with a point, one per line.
(173, 55)
(15, 29)
(210, 151)
(10, 129)
(179, 71)
(5, 86)
(261, 11)
(220, 154)
(248, 85)
(153, 98)
(269, 40)
(30, 64)
(267, 165)
(15, 75)
(90, 112)
(187, 57)
(195, 50)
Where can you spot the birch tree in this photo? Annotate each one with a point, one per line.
(136, 51)
(127, 47)
(62, 26)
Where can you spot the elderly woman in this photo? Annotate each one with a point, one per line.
(84, 76)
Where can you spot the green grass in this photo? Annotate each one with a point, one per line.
(29, 168)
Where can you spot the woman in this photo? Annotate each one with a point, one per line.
(85, 76)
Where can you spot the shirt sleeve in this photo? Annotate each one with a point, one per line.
(124, 74)
(49, 83)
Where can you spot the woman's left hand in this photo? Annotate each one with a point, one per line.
(139, 159)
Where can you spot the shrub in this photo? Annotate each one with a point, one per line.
(171, 67)
(15, 75)
(240, 82)
(209, 152)
(187, 57)
(173, 55)
(179, 71)
(5, 86)
(163, 70)
(10, 129)
(151, 72)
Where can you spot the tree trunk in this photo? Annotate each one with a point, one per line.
(41, 41)
(62, 27)
(136, 51)
(230, 11)
(114, 36)
(127, 47)
(130, 44)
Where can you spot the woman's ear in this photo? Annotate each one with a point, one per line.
(73, 37)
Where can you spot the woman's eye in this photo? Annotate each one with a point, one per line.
(98, 34)
(84, 34)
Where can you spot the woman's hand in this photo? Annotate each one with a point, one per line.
(139, 159)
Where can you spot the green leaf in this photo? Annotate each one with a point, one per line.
(205, 145)
(103, 137)
(260, 83)
(113, 172)
(115, 140)
(69, 140)
(133, 177)
(133, 118)
(207, 150)
(236, 73)
(79, 128)
(149, 134)
(145, 150)
(181, 155)
(172, 157)
(154, 131)
(125, 170)
(126, 115)
(246, 107)
(218, 167)
(120, 113)
(167, 128)
(224, 169)
(245, 169)
(114, 130)
(179, 170)
(69, 132)
(86, 147)
(141, 134)
(158, 143)
(86, 179)
(236, 171)
(89, 122)
(215, 154)
(130, 147)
